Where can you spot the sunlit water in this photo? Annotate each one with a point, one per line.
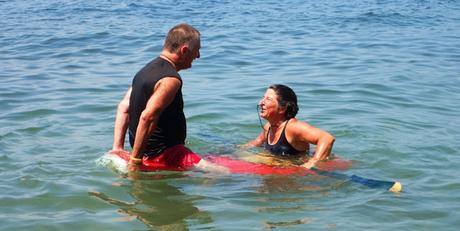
(382, 76)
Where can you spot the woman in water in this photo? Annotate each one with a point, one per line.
(285, 136)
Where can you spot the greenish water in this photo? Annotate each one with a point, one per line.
(382, 76)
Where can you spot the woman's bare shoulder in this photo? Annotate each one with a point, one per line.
(295, 123)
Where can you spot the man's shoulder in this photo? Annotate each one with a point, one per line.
(170, 80)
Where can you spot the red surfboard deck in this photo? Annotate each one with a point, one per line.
(243, 167)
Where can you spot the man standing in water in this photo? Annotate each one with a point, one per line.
(152, 108)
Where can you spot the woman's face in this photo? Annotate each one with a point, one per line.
(269, 107)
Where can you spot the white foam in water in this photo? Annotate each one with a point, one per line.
(113, 161)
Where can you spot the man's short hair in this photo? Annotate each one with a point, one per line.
(179, 35)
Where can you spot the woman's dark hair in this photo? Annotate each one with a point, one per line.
(286, 98)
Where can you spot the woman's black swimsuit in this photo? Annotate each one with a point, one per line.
(282, 147)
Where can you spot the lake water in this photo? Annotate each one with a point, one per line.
(382, 76)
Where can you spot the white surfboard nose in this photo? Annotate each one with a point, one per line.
(113, 161)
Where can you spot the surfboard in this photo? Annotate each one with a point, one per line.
(236, 166)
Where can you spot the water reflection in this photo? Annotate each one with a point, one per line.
(157, 203)
(276, 184)
(290, 201)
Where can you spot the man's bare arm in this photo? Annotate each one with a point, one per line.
(121, 123)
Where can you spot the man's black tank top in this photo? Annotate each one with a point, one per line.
(282, 147)
(171, 128)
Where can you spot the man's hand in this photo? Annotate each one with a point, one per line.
(118, 151)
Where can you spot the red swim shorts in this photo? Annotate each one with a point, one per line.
(176, 158)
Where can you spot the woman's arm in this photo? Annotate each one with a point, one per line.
(303, 132)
